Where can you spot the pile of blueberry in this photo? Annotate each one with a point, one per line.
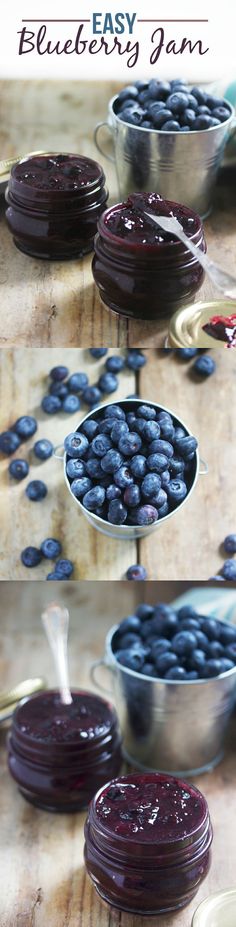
(183, 645)
(130, 465)
(170, 106)
(66, 393)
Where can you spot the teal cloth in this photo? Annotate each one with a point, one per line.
(218, 603)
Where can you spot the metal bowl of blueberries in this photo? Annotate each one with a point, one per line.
(173, 682)
(168, 139)
(130, 467)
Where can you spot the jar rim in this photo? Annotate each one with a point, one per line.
(147, 248)
(31, 741)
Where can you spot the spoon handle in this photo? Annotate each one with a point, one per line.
(56, 623)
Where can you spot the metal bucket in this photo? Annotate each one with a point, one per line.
(169, 726)
(132, 532)
(181, 166)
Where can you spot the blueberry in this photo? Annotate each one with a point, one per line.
(25, 427)
(188, 118)
(93, 498)
(43, 449)
(91, 396)
(115, 363)
(76, 444)
(186, 353)
(113, 411)
(131, 623)
(146, 515)
(204, 365)
(226, 665)
(176, 465)
(148, 670)
(118, 430)
(150, 485)
(112, 492)
(165, 661)
(55, 576)
(130, 444)
(213, 668)
(230, 543)
(50, 548)
(98, 352)
(100, 445)
(93, 468)
(9, 442)
(117, 513)
(192, 104)
(154, 107)
(158, 446)
(71, 404)
(210, 628)
(202, 122)
(127, 639)
(128, 92)
(191, 674)
(184, 129)
(90, 428)
(190, 624)
(63, 568)
(184, 642)
(159, 646)
(132, 495)
(203, 110)
(80, 486)
(186, 611)
(135, 360)
(134, 118)
(165, 478)
(51, 404)
(146, 412)
(221, 113)
(31, 556)
(138, 466)
(159, 499)
(161, 117)
(108, 382)
(18, 469)
(132, 660)
(230, 652)
(177, 102)
(151, 431)
(198, 660)
(171, 126)
(215, 649)
(59, 373)
(36, 490)
(136, 572)
(227, 634)
(58, 389)
(176, 672)
(157, 462)
(144, 611)
(163, 510)
(77, 382)
(176, 490)
(75, 468)
(111, 461)
(198, 94)
(229, 570)
(186, 445)
(123, 477)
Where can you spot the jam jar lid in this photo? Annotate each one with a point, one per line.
(187, 325)
(150, 815)
(43, 723)
(54, 175)
(125, 225)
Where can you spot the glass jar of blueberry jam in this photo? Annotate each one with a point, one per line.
(54, 203)
(141, 271)
(60, 754)
(147, 843)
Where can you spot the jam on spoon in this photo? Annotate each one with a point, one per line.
(223, 328)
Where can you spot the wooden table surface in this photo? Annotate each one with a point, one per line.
(188, 545)
(43, 881)
(53, 304)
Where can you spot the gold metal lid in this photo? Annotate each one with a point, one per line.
(186, 325)
(11, 697)
(218, 910)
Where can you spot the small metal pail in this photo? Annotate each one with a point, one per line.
(169, 726)
(181, 166)
(132, 532)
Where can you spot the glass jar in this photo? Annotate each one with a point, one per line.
(147, 843)
(60, 754)
(54, 203)
(141, 271)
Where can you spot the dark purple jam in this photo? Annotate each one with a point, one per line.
(148, 840)
(222, 328)
(54, 203)
(141, 271)
(60, 754)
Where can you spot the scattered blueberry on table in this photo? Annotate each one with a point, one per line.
(25, 427)
(230, 544)
(31, 556)
(181, 645)
(204, 366)
(136, 572)
(43, 449)
(50, 548)
(18, 468)
(229, 570)
(36, 490)
(142, 452)
(170, 107)
(9, 442)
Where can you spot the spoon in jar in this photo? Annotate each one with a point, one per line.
(56, 623)
(222, 280)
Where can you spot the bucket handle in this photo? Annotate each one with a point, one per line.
(93, 676)
(233, 129)
(204, 469)
(57, 448)
(99, 126)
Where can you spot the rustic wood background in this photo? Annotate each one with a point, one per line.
(188, 546)
(43, 880)
(48, 303)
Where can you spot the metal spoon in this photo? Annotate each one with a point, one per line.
(222, 280)
(56, 623)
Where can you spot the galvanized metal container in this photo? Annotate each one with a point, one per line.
(182, 166)
(127, 532)
(186, 325)
(166, 725)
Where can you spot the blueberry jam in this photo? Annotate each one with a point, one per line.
(60, 754)
(54, 202)
(131, 223)
(141, 271)
(148, 840)
(223, 328)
